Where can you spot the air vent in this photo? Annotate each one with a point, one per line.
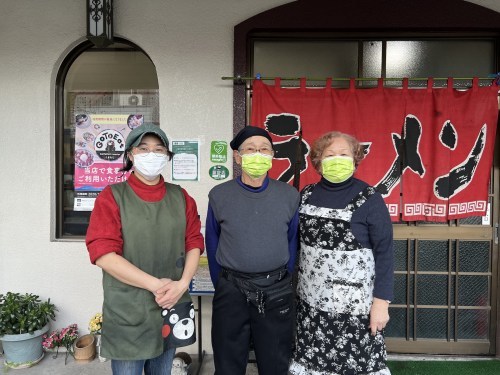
(131, 100)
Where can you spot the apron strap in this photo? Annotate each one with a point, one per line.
(361, 198)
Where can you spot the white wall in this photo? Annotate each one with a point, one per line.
(191, 45)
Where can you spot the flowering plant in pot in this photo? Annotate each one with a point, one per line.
(63, 338)
(24, 318)
(95, 327)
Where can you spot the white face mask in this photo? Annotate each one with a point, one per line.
(149, 165)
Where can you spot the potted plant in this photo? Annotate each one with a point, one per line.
(95, 327)
(24, 318)
(63, 338)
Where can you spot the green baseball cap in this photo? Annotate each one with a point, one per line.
(135, 136)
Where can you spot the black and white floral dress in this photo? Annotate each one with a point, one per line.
(335, 292)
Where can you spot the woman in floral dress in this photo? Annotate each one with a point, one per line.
(345, 278)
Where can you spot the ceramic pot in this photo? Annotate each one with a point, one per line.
(23, 350)
(84, 348)
(98, 348)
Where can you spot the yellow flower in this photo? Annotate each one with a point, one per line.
(95, 323)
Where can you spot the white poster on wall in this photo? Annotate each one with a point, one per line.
(185, 163)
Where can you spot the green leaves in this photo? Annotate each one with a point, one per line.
(24, 313)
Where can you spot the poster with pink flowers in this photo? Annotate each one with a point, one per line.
(99, 151)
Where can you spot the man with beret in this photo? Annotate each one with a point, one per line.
(251, 243)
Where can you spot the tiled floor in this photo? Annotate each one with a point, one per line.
(50, 366)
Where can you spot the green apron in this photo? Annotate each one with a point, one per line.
(154, 241)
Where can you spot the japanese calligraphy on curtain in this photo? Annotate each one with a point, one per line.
(428, 151)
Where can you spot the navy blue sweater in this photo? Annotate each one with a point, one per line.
(370, 224)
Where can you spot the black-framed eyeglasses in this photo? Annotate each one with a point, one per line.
(265, 150)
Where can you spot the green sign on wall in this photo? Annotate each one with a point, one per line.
(218, 172)
(218, 152)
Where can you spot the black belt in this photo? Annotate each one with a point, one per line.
(259, 278)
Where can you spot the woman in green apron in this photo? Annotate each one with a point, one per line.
(145, 235)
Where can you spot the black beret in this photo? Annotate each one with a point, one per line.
(247, 132)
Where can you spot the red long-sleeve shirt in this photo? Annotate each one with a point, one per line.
(104, 234)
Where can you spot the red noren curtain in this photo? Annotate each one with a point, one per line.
(427, 151)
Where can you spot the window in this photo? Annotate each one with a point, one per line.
(348, 58)
(116, 81)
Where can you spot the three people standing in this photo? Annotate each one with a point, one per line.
(145, 235)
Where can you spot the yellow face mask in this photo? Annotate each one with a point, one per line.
(257, 164)
(337, 168)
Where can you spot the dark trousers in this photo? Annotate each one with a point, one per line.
(234, 322)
